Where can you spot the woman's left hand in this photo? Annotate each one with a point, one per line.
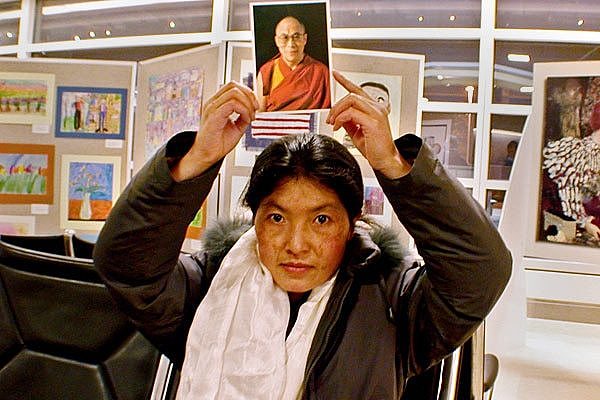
(366, 121)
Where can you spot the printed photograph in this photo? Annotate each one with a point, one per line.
(292, 55)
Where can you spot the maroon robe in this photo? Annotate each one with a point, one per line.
(306, 87)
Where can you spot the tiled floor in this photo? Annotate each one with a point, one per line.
(561, 360)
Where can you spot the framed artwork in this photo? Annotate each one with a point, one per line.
(292, 55)
(91, 113)
(436, 133)
(17, 224)
(90, 186)
(26, 98)
(198, 224)
(376, 205)
(26, 173)
(174, 105)
(386, 89)
(564, 215)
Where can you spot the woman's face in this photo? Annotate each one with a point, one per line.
(302, 229)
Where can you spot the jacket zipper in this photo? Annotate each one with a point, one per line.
(326, 338)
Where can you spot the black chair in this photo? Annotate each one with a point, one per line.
(82, 248)
(55, 244)
(61, 334)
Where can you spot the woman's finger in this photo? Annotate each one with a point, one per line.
(350, 86)
(357, 102)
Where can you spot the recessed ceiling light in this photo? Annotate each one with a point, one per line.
(171, 24)
(580, 22)
(92, 34)
(107, 32)
(519, 57)
(452, 17)
(440, 77)
(358, 13)
(76, 38)
(421, 18)
(9, 34)
(448, 84)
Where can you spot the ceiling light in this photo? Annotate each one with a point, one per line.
(99, 5)
(452, 17)
(171, 24)
(107, 32)
(518, 57)
(358, 13)
(76, 38)
(9, 34)
(421, 18)
(580, 22)
(92, 34)
(526, 89)
(440, 77)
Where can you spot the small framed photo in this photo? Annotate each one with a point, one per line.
(26, 173)
(91, 113)
(90, 186)
(376, 205)
(26, 98)
(292, 55)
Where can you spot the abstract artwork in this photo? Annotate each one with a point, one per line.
(26, 98)
(174, 105)
(26, 173)
(89, 187)
(91, 113)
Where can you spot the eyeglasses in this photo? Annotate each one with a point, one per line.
(283, 38)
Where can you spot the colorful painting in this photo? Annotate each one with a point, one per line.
(90, 186)
(91, 113)
(17, 224)
(26, 173)
(26, 98)
(174, 105)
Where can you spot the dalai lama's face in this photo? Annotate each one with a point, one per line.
(290, 38)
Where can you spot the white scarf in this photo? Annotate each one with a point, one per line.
(237, 347)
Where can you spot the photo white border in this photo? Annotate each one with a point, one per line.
(329, 48)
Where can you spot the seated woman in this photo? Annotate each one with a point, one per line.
(306, 303)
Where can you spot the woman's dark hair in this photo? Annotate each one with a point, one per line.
(318, 157)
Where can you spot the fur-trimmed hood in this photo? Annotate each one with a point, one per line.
(372, 249)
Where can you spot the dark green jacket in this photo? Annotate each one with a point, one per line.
(387, 318)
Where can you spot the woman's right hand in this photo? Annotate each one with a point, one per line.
(225, 117)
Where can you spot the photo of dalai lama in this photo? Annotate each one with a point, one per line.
(293, 79)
